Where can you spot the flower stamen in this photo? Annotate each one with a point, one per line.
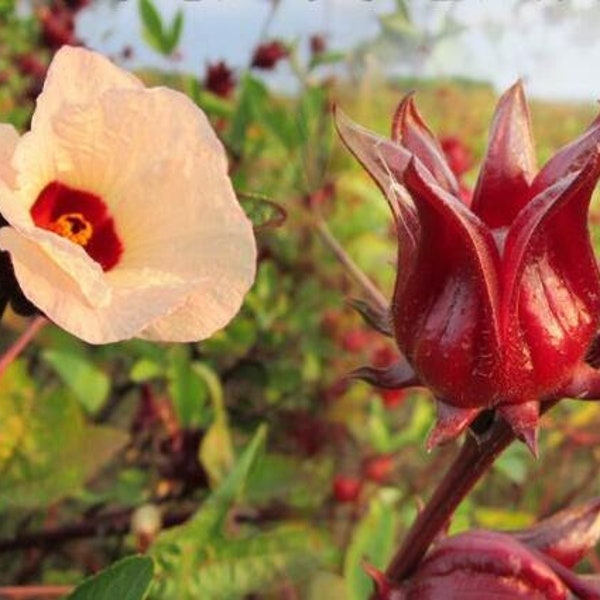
(73, 226)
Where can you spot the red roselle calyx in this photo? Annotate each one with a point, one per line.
(497, 298)
(533, 563)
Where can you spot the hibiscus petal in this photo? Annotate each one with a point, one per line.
(446, 317)
(550, 310)
(57, 291)
(78, 77)
(174, 208)
(386, 162)
(410, 131)
(9, 139)
(509, 166)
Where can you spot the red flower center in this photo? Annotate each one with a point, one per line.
(80, 217)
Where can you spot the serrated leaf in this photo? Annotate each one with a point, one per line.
(373, 541)
(128, 579)
(261, 211)
(89, 383)
(234, 568)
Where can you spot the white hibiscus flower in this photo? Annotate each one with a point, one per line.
(122, 218)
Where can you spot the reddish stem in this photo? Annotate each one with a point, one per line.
(21, 342)
(474, 459)
(34, 591)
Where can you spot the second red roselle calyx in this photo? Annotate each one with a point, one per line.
(497, 298)
(533, 563)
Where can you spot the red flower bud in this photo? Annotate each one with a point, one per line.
(496, 303)
(58, 27)
(267, 55)
(318, 44)
(219, 79)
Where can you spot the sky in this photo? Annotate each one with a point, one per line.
(552, 44)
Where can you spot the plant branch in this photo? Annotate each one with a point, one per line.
(34, 591)
(351, 267)
(21, 342)
(473, 460)
(477, 455)
(113, 523)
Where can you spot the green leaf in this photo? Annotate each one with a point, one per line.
(88, 382)
(513, 463)
(262, 211)
(208, 520)
(497, 518)
(47, 450)
(373, 541)
(216, 450)
(128, 579)
(153, 31)
(145, 369)
(325, 585)
(187, 388)
(238, 567)
(326, 58)
(287, 479)
(174, 35)
(253, 93)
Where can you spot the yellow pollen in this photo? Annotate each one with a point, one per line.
(73, 226)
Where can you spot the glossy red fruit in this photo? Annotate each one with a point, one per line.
(378, 468)
(220, 79)
(495, 304)
(346, 488)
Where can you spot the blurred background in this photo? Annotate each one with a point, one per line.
(552, 44)
(104, 449)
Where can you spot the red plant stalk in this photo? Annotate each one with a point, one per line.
(474, 459)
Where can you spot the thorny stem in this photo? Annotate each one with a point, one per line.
(351, 267)
(474, 459)
(21, 342)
